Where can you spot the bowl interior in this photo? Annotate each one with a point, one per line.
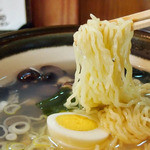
(61, 56)
(41, 47)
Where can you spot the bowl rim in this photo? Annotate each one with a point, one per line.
(32, 32)
(8, 37)
(141, 37)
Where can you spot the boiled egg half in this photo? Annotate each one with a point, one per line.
(75, 131)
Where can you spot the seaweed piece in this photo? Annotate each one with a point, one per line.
(55, 103)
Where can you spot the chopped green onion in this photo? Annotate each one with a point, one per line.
(17, 146)
(13, 119)
(11, 109)
(2, 105)
(11, 136)
(19, 127)
(3, 131)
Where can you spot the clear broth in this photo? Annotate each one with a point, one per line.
(29, 94)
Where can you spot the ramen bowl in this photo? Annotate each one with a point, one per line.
(40, 48)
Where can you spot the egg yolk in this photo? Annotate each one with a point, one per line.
(76, 122)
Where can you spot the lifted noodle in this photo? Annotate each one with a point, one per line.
(103, 79)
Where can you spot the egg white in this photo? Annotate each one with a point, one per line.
(72, 139)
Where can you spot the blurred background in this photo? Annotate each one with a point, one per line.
(58, 12)
(42, 13)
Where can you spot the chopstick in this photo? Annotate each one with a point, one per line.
(140, 19)
(141, 24)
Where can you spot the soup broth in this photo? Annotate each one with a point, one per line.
(25, 93)
(19, 97)
(18, 102)
(21, 92)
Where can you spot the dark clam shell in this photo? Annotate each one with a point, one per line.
(28, 75)
(51, 73)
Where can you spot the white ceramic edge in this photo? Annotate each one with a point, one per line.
(61, 56)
